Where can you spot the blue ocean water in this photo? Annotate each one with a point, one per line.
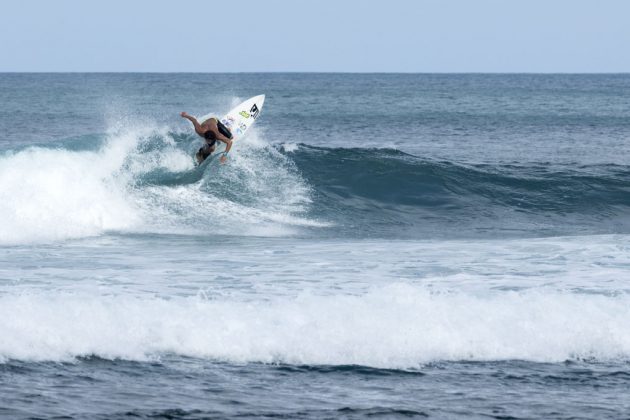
(380, 245)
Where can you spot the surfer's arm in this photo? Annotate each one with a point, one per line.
(228, 146)
(194, 121)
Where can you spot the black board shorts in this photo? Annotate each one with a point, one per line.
(224, 130)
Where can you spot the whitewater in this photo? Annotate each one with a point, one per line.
(464, 254)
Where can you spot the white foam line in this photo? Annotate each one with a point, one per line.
(399, 326)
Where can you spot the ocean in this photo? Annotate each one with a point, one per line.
(379, 245)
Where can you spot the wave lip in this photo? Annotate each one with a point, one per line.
(395, 327)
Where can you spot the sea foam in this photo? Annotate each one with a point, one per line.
(397, 326)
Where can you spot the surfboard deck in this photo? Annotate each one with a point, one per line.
(241, 117)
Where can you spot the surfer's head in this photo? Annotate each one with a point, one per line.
(209, 135)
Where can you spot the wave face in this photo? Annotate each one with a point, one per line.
(397, 326)
(388, 192)
(142, 179)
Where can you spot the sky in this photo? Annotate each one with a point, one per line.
(427, 36)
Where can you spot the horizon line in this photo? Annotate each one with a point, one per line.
(323, 72)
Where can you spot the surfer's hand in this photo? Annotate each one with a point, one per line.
(183, 114)
(223, 159)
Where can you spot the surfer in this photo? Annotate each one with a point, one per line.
(212, 130)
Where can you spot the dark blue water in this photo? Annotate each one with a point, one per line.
(380, 245)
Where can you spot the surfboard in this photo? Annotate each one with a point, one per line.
(241, 117)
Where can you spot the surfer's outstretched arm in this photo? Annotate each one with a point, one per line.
(193, 120)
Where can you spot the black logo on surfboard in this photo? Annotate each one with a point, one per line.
(254, 111)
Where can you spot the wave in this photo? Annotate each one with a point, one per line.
(392, 176)
(142, 179)
(404, 192)
(393, 327)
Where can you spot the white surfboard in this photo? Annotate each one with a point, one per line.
(240, 118)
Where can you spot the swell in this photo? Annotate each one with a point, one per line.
(386, 186)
